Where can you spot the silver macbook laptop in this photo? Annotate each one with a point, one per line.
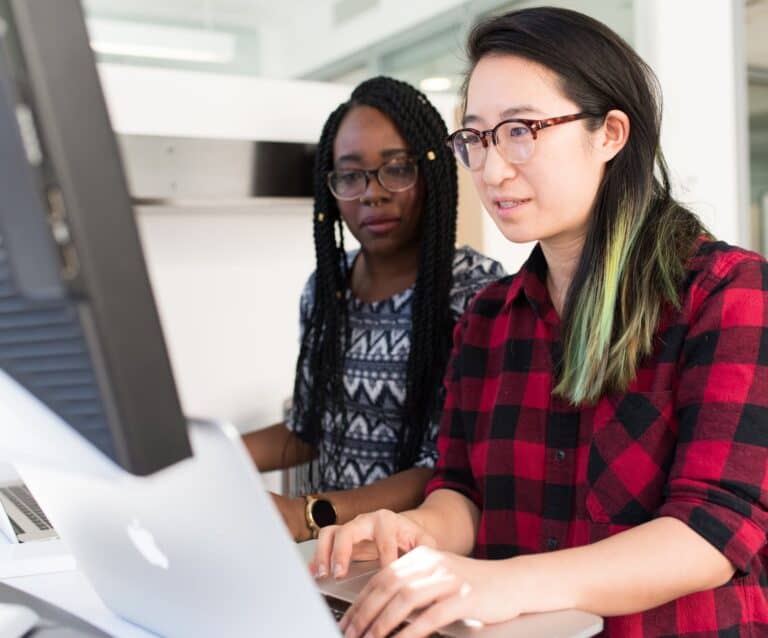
(196, 549)
(28, 522)
(21, 518)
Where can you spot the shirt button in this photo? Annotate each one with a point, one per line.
(560, 455)
(552, 543)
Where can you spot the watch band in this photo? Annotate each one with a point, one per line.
(309, 501)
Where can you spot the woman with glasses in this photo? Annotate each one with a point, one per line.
(376, 322)
(604, 440)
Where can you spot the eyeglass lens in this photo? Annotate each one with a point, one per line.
(395, 176)
(514, 141)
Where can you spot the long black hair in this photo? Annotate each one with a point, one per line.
(639, 239)
(326, 335)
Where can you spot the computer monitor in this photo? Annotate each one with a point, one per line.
(79, 328)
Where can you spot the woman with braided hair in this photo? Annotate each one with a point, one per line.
(376, 323)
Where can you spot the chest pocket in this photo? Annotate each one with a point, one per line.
(629, 458)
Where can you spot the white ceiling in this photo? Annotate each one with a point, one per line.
(251, 15)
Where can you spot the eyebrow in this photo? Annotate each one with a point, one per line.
(386, 154)
(505, 114)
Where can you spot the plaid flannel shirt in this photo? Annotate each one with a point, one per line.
(688, 440)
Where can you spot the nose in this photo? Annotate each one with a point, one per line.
(374, 191)
(496, 169)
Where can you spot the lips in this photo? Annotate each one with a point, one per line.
(511, 202)
(379, 223)
(508, 206)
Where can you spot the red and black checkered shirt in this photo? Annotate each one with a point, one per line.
(689, 439)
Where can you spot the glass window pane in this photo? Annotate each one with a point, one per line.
(758, 157)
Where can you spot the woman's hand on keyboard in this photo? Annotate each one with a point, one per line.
(381, 535)
(434, 589)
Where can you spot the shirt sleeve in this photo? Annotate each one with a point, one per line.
(453, 470)
(717, 482)
(471, 273)
(295, 419)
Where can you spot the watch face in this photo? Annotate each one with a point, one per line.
(323, 513)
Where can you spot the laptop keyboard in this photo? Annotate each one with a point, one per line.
(16, 529)
(22, 498)
(338, 607)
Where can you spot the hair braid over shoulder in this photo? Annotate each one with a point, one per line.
(326, 337)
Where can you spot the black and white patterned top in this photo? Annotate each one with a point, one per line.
(375, 375)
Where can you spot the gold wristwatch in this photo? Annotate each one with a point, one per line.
(318, 512)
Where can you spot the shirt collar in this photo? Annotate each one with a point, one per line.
(531, 283)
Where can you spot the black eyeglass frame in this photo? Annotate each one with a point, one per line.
(534, 126)
(370, 173)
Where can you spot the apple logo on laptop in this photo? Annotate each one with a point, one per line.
(145, 543)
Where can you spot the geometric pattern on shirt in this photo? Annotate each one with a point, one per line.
(375, 370)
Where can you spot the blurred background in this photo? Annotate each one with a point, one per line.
(193, 84)
(757, 106)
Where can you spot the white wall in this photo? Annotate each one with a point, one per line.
(227, 284)
(227, 280)
(697, 52)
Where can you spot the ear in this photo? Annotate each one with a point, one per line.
(613, 135)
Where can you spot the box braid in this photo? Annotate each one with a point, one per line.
(326, 337)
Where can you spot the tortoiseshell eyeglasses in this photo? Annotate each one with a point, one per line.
(514, 139)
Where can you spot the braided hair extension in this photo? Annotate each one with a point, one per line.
(326, 336)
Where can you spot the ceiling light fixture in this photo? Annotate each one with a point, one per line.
(436, 83)
(138, 40)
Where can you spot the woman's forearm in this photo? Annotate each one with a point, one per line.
(633, 571)
(450, 518)
(276, 448)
